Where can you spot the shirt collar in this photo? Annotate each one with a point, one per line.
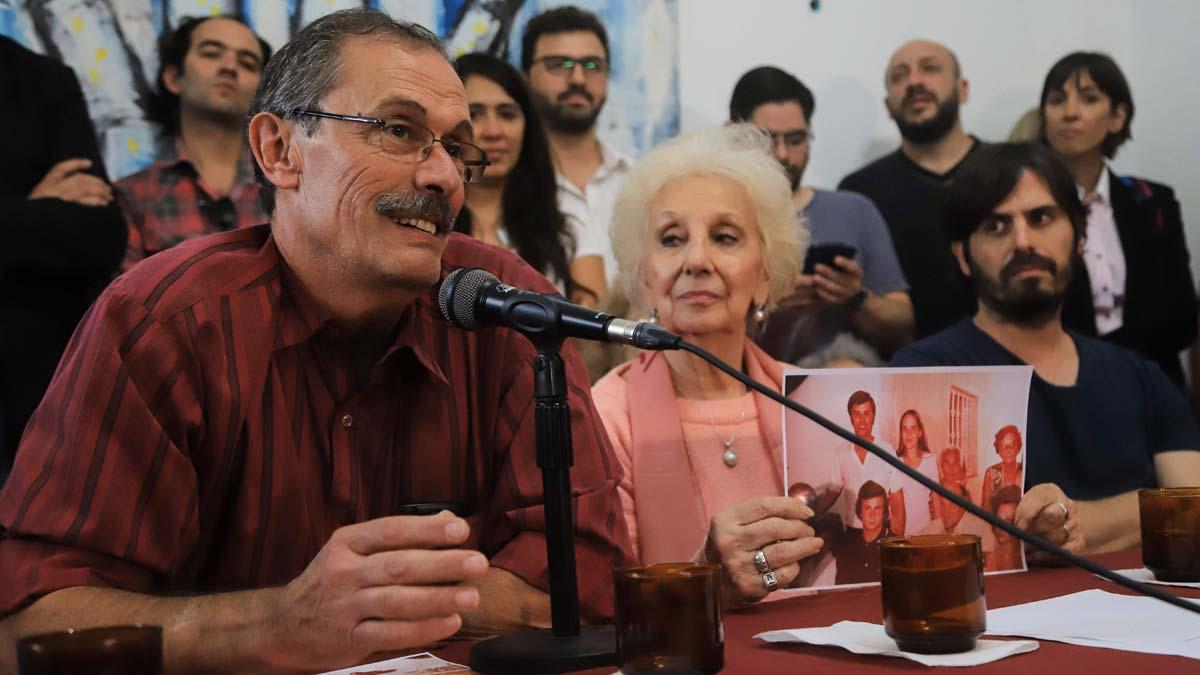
(301, 320)
(611, 160)
(173, 155)
(1103, 189)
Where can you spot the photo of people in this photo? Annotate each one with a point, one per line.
(961, 427)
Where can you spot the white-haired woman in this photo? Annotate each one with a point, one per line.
(706, 242)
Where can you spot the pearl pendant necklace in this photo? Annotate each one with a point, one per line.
(730, 457)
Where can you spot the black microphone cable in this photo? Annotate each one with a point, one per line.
(897, 463)
(458, 305)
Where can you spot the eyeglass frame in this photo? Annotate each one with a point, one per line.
(575, 61)
(781, 137)
(482, 164)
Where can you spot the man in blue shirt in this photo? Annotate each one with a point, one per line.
(1103, 421)
(860, 292)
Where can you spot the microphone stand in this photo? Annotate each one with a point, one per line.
(566, 646)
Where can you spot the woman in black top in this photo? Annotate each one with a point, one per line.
(1133, 285)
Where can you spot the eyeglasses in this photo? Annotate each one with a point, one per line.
(563, 66)
(792, 139)
(412, 142)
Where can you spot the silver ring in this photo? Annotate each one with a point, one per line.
(1067, 530)
(770, 581)
(1066, 513)
(760, 562)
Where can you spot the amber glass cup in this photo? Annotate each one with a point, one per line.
(669, 619)
(933, 592)
(115, 650)
(1171, 532)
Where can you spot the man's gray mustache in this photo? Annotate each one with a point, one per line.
(434, 208)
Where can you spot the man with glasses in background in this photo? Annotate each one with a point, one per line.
(235, 441)
(564, 54)
(852, 287)
(209, 69)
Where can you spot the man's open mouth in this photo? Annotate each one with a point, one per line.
(421, 224)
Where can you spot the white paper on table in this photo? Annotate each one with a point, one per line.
(415, 664)
(869, 638)
(1097, 618)
(1147, 577)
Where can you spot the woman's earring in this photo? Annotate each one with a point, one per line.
(653, 318)
(760, 313)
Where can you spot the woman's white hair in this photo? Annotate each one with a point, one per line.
(741, 152)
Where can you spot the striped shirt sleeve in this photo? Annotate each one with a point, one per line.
(103, 493)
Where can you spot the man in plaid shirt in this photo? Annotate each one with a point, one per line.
(209, 70)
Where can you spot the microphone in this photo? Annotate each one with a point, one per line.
(471, 297)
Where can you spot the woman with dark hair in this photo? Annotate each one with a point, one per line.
(1134, 286)
(515, 203)
(912, 446)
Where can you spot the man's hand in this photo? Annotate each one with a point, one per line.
(1047, 512)
(376, 587)
(804, 293)
(773, 525)
(68, 182)
(836, 285)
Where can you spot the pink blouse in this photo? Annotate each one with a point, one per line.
(706, 427)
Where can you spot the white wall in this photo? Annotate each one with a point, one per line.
(1005, 46)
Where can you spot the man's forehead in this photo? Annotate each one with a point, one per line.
(378, 73)
(571, 43)
(229, 32)
(1030, 192)
(779, 116)
(915, 51)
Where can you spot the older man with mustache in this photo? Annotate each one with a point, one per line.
(241, 424)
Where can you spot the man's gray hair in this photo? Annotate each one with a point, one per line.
(300, 74)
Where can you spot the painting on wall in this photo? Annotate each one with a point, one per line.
(111, 45)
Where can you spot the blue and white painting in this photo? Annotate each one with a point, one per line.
(111, 45)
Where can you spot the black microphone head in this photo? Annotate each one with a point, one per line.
(458, 292)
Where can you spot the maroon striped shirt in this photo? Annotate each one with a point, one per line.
(201, 434)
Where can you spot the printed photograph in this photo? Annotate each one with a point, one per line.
(961, 427)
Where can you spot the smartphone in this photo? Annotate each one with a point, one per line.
(823, 254)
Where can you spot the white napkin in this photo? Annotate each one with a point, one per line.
(1146, 576)
(869, 638)
(1097, 618)
(414, 664)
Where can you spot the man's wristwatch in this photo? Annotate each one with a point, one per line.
(856, 300)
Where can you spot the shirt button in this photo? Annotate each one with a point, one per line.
(347, 421)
